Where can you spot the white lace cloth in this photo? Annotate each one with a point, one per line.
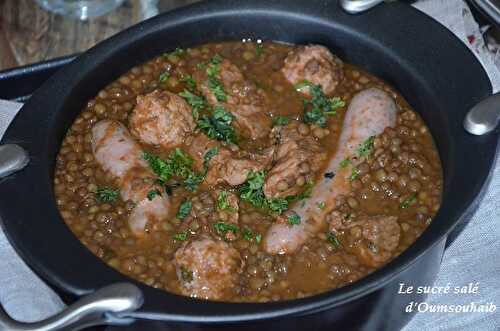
(27, 298)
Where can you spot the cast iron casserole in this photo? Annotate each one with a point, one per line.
(433, 70)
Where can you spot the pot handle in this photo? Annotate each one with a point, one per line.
(360, 6)
(12, 158)
(483, 117)
(110, 305)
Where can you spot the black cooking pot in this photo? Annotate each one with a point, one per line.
(433, 70)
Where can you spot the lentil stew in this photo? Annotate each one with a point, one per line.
(248, 171)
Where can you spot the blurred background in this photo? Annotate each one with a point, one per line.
(30, 33)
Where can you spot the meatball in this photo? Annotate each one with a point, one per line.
(243, 99)
(207, 269)
(315, 64)
(379, 237)
(297, 158)
(162, 119)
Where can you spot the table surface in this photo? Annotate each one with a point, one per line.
(30, 34)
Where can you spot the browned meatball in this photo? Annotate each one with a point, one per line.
(297, 158)
(227, 166)
(207, 269)
(378, 236)
(244, 100)
(162, 119)
(315, 64)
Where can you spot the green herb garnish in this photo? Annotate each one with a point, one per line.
(164, 77)
(179, 164)
(318, 107)
(258, 238)
(178, 51)
(354, 174)
(181, 236)
(277, 205)
(333, 240)
(196, 102)
(366, 147)
(259, 49)
(280, 121)
(106, 194)
(190, 82)
(209, 155)
(252, 191)
(222, 228)
(184, 209)
(214, 84)
(186, 274)
(409, 201)
(294, 219)
(344, 163)
(321, 205)
(301, 196)
(153, 194)
(223, 203)
(218, 125)
(247, 234)
(161, 168)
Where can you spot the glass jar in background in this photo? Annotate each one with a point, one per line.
(80, 9)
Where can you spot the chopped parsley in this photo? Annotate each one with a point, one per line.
(190, 82)
(184, 209)
(214, 84)
(153, 194)
(293, 219)
(248, 235)
(333, 240)
(409, 201)
(218, 125)
(181, 236)
(164, 77)
(319, 106)
(301, 196)
(209, 155)
(222, 228)
(177, 164)
(176, 52)
(354, 174)
(161, 168)
(366, 147)
(259, 49)
(277, 205)
(258, 238)
(280, 121)
(321, 205)
(106, 194)
(252, 191)
(223, 203)
(186, 274)
(344, 163)
(196, 102)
